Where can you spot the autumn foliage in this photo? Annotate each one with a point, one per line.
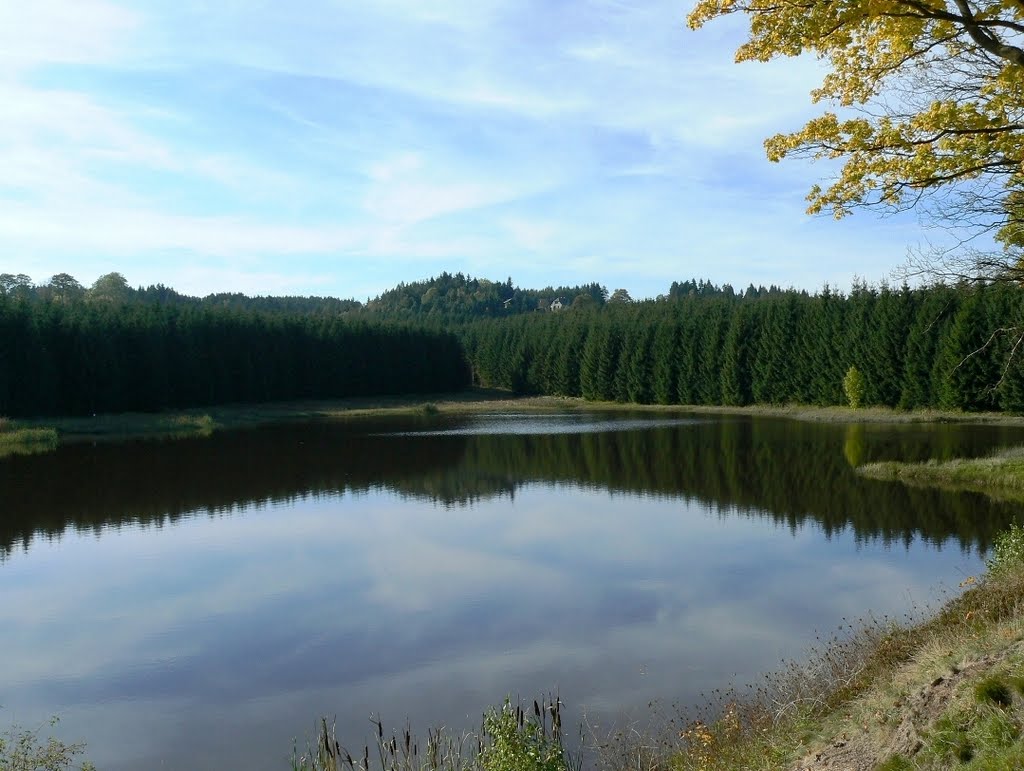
(926, 97)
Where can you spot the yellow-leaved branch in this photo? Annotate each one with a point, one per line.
(927, 95)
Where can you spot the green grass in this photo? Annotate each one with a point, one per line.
(16, 440)
(512, 737)
(201, 422)
(993, 690)
(1000, 475)
(896, 763)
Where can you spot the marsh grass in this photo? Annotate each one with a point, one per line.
(512, 737)
(1000, 475)
(133, 425)
(764, 725)
(188, 423)
(18, 440)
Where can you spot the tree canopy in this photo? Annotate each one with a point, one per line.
(928, 99)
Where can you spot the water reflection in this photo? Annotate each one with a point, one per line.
(787, 470)
(341, 569)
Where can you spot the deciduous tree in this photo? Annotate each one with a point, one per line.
(111, 287)
(928, 107)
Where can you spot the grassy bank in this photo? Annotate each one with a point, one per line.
(16, 439)
(40, 435)
(1000, 475)
(202, 422)
(946, 692)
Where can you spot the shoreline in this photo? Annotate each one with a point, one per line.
(935, 693)
(202, 421)
(999, 476)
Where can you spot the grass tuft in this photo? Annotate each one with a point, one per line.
(15, 440)
(511, 738)
(896, 763)
(992, 690)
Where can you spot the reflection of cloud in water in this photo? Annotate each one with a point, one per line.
(526, 424)
(219, 634)
(353, 605)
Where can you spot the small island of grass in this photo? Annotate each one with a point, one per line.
(16, 439)
(1000, 475)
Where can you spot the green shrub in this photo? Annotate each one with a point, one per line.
(853, 387)
(511, 739)
(1007, 551)
(24, 749)
(517, 742)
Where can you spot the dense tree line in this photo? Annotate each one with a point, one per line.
(64, 348)
(75, 358)
(114, 288)
(444, 299)
(930, 347)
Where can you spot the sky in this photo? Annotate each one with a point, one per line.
(335, 147)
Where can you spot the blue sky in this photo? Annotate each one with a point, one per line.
(337, 148)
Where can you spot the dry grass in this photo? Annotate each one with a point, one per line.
(880, 415)
(884, 694)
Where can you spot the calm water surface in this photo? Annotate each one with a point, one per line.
(197, 604)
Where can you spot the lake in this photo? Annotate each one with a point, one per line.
(200, 603)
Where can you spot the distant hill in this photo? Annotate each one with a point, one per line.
(285, 305)
(447, 298)
(463, 298)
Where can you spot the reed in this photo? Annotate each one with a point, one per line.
(511, 738)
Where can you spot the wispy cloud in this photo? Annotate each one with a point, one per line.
(376, 143)
(62, 31)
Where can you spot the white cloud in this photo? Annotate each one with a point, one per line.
(502, 136)
(129, 232)
(58, 120)
(533, 235)
(61, 31)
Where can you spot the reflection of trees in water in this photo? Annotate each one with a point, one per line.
(789, 471)
(853, 446)
(88, 488)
